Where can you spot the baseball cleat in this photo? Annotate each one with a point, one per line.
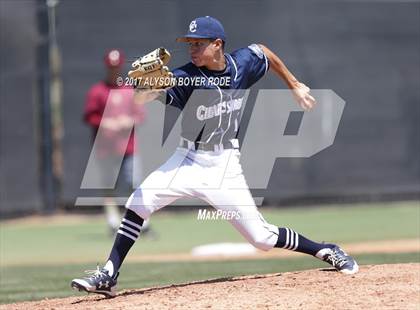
(339, 259)
(98, 281)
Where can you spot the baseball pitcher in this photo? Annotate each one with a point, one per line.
(208, 147)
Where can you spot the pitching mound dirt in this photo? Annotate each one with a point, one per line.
(374, 287)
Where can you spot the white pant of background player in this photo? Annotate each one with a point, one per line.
(213, 176)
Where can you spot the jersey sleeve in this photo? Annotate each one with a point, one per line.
(256, 63)
(138, 113)
(178, 96)
(94, 107)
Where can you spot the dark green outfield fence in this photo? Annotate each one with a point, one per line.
(368, 52)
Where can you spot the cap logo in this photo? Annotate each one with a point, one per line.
(193, 26)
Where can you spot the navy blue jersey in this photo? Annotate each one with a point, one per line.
(212, 114)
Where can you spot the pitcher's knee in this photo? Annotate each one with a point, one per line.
(141, 203)
(261, 244)
(141, 211)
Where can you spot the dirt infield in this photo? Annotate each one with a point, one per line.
(375, 287)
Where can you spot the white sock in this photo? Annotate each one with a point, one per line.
(110, 267)
(321, 253)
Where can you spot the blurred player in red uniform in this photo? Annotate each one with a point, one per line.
(116, 122)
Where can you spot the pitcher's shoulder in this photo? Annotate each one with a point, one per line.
(247, 52)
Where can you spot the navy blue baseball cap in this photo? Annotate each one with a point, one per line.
(206, 27)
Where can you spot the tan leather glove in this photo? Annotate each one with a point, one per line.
(151, 71)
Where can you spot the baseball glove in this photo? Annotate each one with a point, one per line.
(151, 71)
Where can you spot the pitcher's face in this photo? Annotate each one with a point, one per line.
(202, 51)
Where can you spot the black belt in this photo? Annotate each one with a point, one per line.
(207, 146)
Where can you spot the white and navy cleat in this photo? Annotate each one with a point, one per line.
(98, 282)
(339, 259)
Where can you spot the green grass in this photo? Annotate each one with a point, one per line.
(36, 259)
(38, 282)
(180, 232)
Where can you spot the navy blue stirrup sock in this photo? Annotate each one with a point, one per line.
(291, 240)
(127, 234)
